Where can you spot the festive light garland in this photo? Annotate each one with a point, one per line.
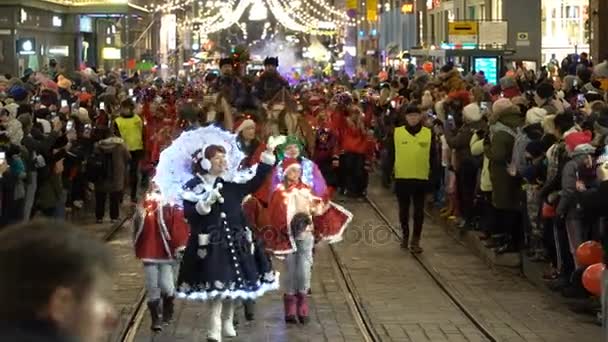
(218, 16)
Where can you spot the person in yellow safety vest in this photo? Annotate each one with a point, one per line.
(129, 126)
(412, 154)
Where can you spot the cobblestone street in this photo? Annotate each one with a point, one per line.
(399, 300)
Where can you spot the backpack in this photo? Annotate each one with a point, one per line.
(99, 166)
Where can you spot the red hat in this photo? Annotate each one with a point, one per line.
(243, 123)
(288, 163)
(577, 138)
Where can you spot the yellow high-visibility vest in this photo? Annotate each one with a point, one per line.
(131, 130)
(412, 154)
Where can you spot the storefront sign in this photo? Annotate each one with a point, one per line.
(111, 53)
(57, 21)
(86, 24)
(351, 4)
(493, 32)
(407, 8)
(463, 32)
(26, 46)
(59, 50)
(372, 10)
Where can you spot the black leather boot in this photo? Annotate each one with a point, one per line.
(249, 306)
(154, 308)
(168, 309)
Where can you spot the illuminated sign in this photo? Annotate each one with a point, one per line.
(60, 50)
(489, 66)
(407, 8)
(26, 46)
(111, 53)
(86, 24)
(57, 21)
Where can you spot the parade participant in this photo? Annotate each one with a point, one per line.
(323, 155)
(411, 154)
(228, 85)
(245, 129)
(293, 234)
(354, 147)
(270, 81)
(219, 264)
(161, 234)
(292, 148)
(253, 149)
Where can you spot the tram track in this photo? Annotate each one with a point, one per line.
(129, 321)
(437, 278)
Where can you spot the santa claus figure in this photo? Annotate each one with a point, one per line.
(161, 235)
(299, 219)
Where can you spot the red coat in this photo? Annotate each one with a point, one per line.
(329, 220)
(161, 232)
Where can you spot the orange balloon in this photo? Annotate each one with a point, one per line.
(589, 253)
(592, 278)
(428, 67)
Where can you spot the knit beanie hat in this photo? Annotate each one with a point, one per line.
(18, 93)
(501, 106)
(535, 115)
(545, 90)
(507, 82)
(583, 149)
(83, 116)
(63, 82)
(575, 139)
(535, 148)
(472, 112)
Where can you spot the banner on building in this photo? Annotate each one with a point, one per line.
(168, 34)
(372, 10)
(493, 32)
(463, 32)
(351, 4)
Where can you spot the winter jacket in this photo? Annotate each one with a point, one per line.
(120, 158)
(14, 131)
(477, 146)
(50, 191)
(505, 188)
(568, 195)
(524, 136)
(460, 142)
(32, 331)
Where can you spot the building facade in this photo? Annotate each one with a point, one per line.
(75, 33)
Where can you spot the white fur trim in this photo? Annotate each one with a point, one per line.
(244, 125)
(232, 294)
(338, 237)
(268, 158)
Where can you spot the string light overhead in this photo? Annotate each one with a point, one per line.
(310, 16)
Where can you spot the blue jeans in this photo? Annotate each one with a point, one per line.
(299, 265)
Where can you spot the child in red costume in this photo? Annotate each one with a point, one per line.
(161, 234)
(299, 219)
